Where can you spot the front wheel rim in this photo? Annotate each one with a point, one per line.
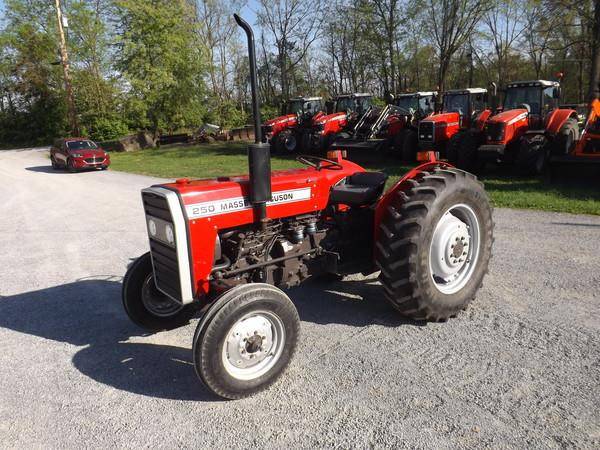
(454, 250)
(253, 345)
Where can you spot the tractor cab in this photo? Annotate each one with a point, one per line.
(357, 103)
(304, 107)
(468, 103)
(421, 104)
(538, 97)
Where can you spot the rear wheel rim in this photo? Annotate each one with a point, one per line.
(253, 345)
(157, 303)
(454, 250)
(290, 143)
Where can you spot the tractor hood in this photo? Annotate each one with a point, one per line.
(444, 119)
(289, 119)
(509, 117)
(275, 126)
(322, 119)
(439, 128)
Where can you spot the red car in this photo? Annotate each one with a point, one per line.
(78, 154)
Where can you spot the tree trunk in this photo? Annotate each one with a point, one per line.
(594, 91)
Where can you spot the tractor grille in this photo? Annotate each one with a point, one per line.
(164, 257)
(495, 131)
(426, 132)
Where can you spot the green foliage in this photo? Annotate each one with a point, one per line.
(225, 113)
(162, 62)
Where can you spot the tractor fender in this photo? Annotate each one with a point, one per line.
(481, 119)
(556, 120)
(400, 186)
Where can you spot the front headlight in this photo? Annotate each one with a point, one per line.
(169, 234)
(152, 227)
(76, 155)
(161, 230)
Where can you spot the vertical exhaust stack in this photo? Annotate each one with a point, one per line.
(259, 156)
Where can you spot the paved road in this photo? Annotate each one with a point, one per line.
(520, 368)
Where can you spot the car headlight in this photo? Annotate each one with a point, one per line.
(76, 155)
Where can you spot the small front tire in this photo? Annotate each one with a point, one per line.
(145, 305)
(246, 344)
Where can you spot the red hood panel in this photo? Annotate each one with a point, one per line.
(329, 117)
(281, 119)
(508, 116)
(449, 117)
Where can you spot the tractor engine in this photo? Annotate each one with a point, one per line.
(282, 254)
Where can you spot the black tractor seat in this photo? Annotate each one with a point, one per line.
(361, 188)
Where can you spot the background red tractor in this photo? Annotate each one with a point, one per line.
(585, 151)
(528, 128)
(418, 105)
(228, 246)
(462, 110)
(282, 132)
(344, 112)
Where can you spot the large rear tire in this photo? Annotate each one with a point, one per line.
(468, 158)
(453, 149)
(145, 305)
(434, 244)
(287, 142)
(410, 144)
(533, 155)
(566, 137)
(247, 343)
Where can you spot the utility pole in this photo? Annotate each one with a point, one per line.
(64, 59)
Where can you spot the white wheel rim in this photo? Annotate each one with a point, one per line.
(253, 345)
(454, 250)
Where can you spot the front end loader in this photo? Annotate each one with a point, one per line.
(229, 247)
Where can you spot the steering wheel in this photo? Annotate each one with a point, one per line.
(315, 161)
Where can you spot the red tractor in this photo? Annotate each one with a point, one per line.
(228, 246)
(418, 105)
(462, 110)
(346, 110)
(283, 132)
(586, 150)
(530, 127)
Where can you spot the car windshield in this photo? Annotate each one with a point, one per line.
(355, 104)
(81, 145)
(456, 103)
(523, 95)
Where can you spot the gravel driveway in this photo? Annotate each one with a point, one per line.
(520, 368)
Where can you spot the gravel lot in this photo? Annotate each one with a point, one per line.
(520, 368)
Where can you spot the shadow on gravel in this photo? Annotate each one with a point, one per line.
(45, 169)
(88, 313)
(61, 171)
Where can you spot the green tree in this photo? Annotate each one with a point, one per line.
(162, 63)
